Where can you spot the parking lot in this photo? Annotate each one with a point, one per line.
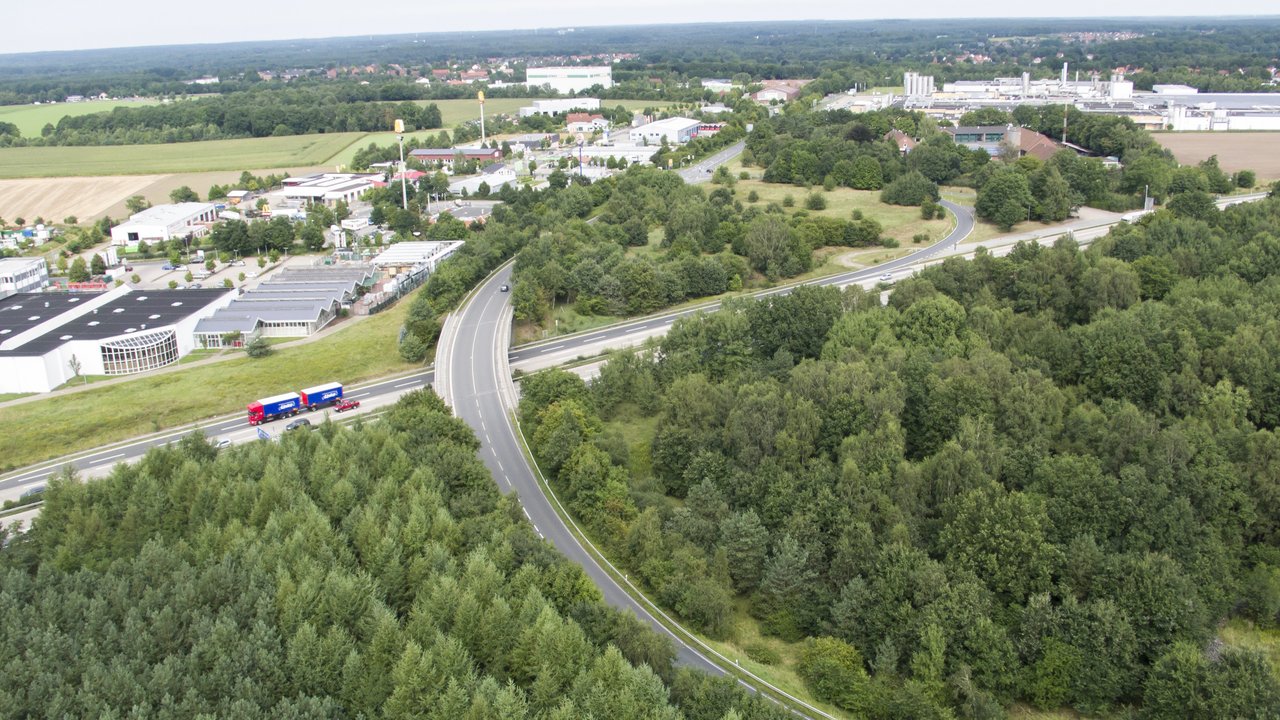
(152, 274)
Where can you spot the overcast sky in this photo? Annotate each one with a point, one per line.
(75, 24)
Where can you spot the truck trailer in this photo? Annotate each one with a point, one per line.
(272, 408)
(321, 395)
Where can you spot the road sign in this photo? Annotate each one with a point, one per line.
(399, 126)
(263, 434)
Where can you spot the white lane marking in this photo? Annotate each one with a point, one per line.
(483, 426)
(352, 396)
(99, 461)
(411, 382)
(526, 513)
(500, 468)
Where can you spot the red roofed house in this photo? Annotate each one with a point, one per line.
(904, 141)
(1033, 143)
(586, 122)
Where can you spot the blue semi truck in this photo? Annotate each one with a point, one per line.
(289, 404)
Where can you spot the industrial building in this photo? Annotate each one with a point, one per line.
(917, 85)
(676, 131)
(1167, 107)
(446, 156)
(559, 106)
(328, 188)
(570, 79)
(165, 222)
(47, 339)
(294, 303)
(22, 275)
(405, 257)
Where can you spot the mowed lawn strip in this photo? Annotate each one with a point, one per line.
(899, 222)
(70, 423)
(247, 153)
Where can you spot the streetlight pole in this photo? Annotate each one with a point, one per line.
(404, 181)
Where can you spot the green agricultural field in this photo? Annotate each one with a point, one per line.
(348, 153)
(65, 424)
(245, 154)
(31, 119)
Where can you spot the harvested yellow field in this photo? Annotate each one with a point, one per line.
(57, 198)
(1257, 151)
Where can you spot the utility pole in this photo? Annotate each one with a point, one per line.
(404, 180)
(480, 95)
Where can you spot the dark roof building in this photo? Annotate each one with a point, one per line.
(46, 339)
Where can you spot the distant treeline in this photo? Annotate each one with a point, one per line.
(239, 115)
(1217, 55)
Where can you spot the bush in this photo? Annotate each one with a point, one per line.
(762, 653)
(258, 348)
(833, 670)
(788, 201)
(889, 242)
(753, 196)
(910, 189)
(744, 175)
(413, 349)
(815, 201)
(828, 183)
(920, 238)
(1246, 179)
(135, 278)
(173, 284)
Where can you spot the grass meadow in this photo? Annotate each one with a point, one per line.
(31, 119)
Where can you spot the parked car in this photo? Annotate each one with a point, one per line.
(296, 424)
(128, 268)
(167, 266)
(238, 263)
(346, 405)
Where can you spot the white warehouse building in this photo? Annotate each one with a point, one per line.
(559, 106)
(676, 131)
(47, 339)
(570, 79)
(22, 275)
(329, 188)
(164, 223)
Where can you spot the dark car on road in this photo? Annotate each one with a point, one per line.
(297, 424)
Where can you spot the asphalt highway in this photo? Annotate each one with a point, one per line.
(473, 368)
(591, 343)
